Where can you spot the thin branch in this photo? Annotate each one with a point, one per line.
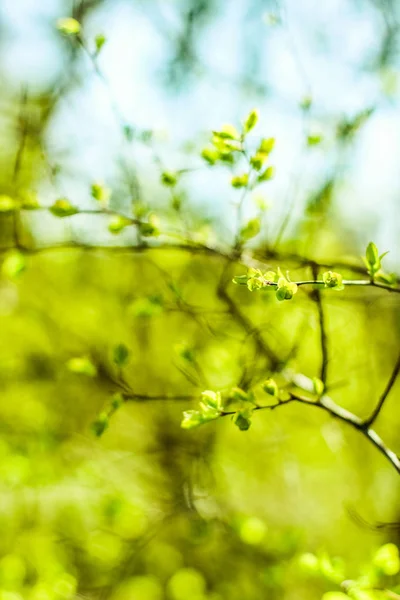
(243, 321)
(322, 330)
(132, 397)
(328, 405)
(386, 392)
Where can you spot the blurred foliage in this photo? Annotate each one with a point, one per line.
(117, 311)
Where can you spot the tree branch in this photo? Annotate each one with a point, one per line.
(322, 329)
(386, 392)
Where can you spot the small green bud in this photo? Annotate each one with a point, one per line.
(241, 421)
(68, 26)
(372, 255)
(250, 230)
(373, 259)
(120, 355)
(227, 132)
(192, 419)
(150, 228)
(100, 192)
(286, 289)
(240, 181)
(240, 279)
(314, 139)
(239, 395)
(270, 387)
(210, 155)
(118, 223)
(333, 280)
(212, 399)
(257, 161)
(251, 121)
(117, 400)
(267, 174)
(186, 353)
(254, 283)
(63, 208)
(100, 424)
(169, 179)
(99, 41)
(266, 145)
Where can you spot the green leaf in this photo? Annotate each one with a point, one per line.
(118, 223)
(314, 139)
(120, 355)
(100, 192)
(388, 278)
(251, 121)
(192, 419)
(227, 132)
(210, 409)
(82, 365)
(242, 422)
(240, 181)
(149, 228)
(266, 145)
(63, 208)
(257, 161)
(14, 264)
(270, 387)
(240, 279)
(100, 424)
(99, 41)
(372, 255)
(225, 145)
(212, 399)
(250, 230)
(210, 155)
(7, 204)
(68, 26)
(333, 280)
(116, 401)
(169, 179)
(373, 259)
(387, 559)
(242, 418)
(238, 395)
(335, 596)
(267, 174)
(286, 289)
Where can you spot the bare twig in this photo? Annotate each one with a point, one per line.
(386, 392)
(322, 329)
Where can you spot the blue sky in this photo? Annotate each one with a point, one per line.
(317, 48)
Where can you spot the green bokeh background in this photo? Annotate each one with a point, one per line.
(150, 511)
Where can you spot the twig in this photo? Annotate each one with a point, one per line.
(322, 329)
(386, 392)
(328, 405)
